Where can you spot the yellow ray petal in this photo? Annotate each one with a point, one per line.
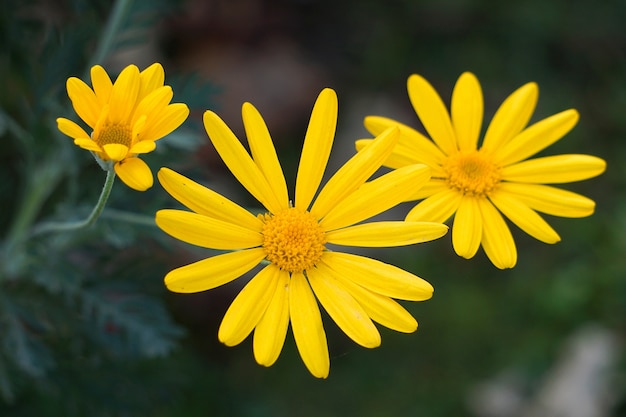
(432, 113)
(115, 151)
(84, 101)
(511, 117)
(306, 324)
(101, 84)
(467, 229)
(376, 196)
(550, 200)
(151, 78)
(248, 307)
(467, 111)
(124, 95)
(239, 161)
(135, 173)
(432, 187)
(71, 129)
(379, 277)
(269, 334)
(437, 208)
(354, 172)
(387, 233)
(536, 137)
(145, 146)
(212, 272)
(555, 169)
(316, 149)
(153, 104)
(343, 308)
(497, 240)
(200, 230)
(263, 152)
(412, 144)
(380, 308)
(524, 217)
(165, 122)
(88, 144)
(205, 201)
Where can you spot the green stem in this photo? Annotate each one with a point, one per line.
(95, 213)
(107, 38)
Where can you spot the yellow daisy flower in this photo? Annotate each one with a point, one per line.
(479, 184)
(291, 239)
(126, 118)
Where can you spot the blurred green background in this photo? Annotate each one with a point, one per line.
(87, 328)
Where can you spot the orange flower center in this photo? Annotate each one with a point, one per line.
(293, 239)
(120, 134)
(471, 173)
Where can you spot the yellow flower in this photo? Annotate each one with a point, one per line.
(291, 239)
(126, 118)
(477, 184)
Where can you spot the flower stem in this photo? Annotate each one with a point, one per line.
(52, 227)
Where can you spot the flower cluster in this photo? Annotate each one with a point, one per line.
(293, 249)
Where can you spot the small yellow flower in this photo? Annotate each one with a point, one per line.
(126, 118)
(292, 239)
(477, 184)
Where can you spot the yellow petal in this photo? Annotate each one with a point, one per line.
(115, 151)
(497, 240)
(437, 208)
(151, 78)
(84, 101)
(411, 144)
(467, 229)
(205, 201)
(376, 196)
(88, 144)
(165, 122)
(144, 146)
(524, 217)
(269, 334)
(512, 116)
(536, 137)
(101, 84)
(212, 272)
(467, 111)
(379, 277)
(380, 308)
(555, 169)
(134, 173)
(387, 233)
(124, 95)
(248, 307)
(354, 172)
(264, 153)
(71, 129)
(153, 104)
(306, 324)
(432, 113)
(200, 230)
(239, 161)
(343, 308)
(550, 200)
(432, 187)
(316, 149)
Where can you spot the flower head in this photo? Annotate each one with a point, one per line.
(125, 118)
(292, 239)
(479, 184)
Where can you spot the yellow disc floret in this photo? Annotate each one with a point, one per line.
(472, 173)
(115, 133)
(293, 239)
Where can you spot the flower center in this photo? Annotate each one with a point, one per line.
(471, 173)
(293, 239)
(120, 134)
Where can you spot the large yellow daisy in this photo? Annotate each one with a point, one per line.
(291, 239)
(126, 118)
(477, 184)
